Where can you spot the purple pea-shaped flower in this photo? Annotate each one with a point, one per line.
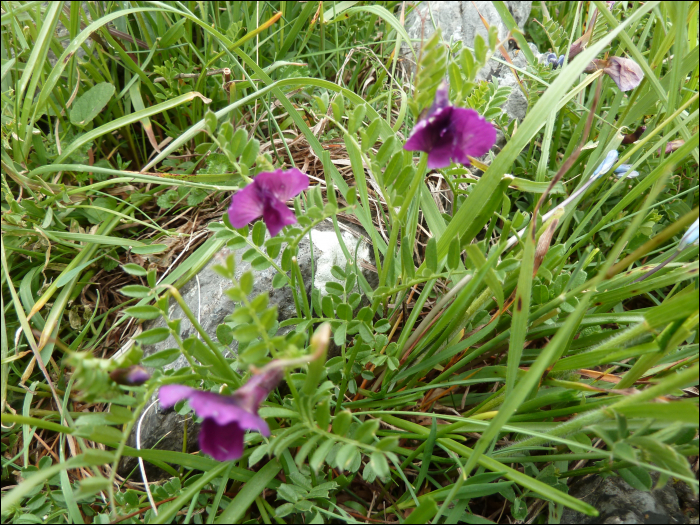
(226, 418)
(625, 72)
(448, 133)
(672, 146)
(265, 197)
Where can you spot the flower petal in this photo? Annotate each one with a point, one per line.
(224, 410)
(441, 100)
(222, 442)
(276, 216)
(171, 394)
(441, 154)
(258, 387)
(691, 236)
(134, 375)
(246, 206)
(625, 72)
(608, 162)
(427, 133)
(475, 135)
(284, 185)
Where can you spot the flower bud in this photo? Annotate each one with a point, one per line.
(134, 375)
(631, 138)
(625, 72)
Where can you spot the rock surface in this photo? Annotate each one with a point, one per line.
(618, 502)
(461, 21)
(64, 36)
(205, 296)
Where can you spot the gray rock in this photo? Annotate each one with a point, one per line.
(461, 21)
(688, 500)
(205, 296)
(618, 502)
(64, 36)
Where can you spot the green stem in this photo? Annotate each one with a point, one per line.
(233, 379)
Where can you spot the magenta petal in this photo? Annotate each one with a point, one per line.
(276, 216)
(222, 442)
(246, 206)
(226, 409)
(284, 185)
(258, 387)
(171, 394)
(475, 136)
(441, 99)
(452, 135)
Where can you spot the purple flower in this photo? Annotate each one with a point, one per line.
(625, 72)
(672, 146)
(266, 198)
(226, 418)
(134, 375)
(448, 133)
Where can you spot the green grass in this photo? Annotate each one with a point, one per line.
(485, 370)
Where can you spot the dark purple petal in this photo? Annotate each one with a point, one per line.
(276, 216)
(226, 418)
(284, 185)
(441, 155)
(224, 410)
(246, 206)
(222, 442)
(625, 72)
(265, 197)
(451, 135)
(427, 132)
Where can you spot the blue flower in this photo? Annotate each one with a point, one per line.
(605, 166)
(624, 168)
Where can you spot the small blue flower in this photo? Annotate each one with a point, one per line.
(551, 59)
(624, 168)
(605, 166)
(690, 237)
